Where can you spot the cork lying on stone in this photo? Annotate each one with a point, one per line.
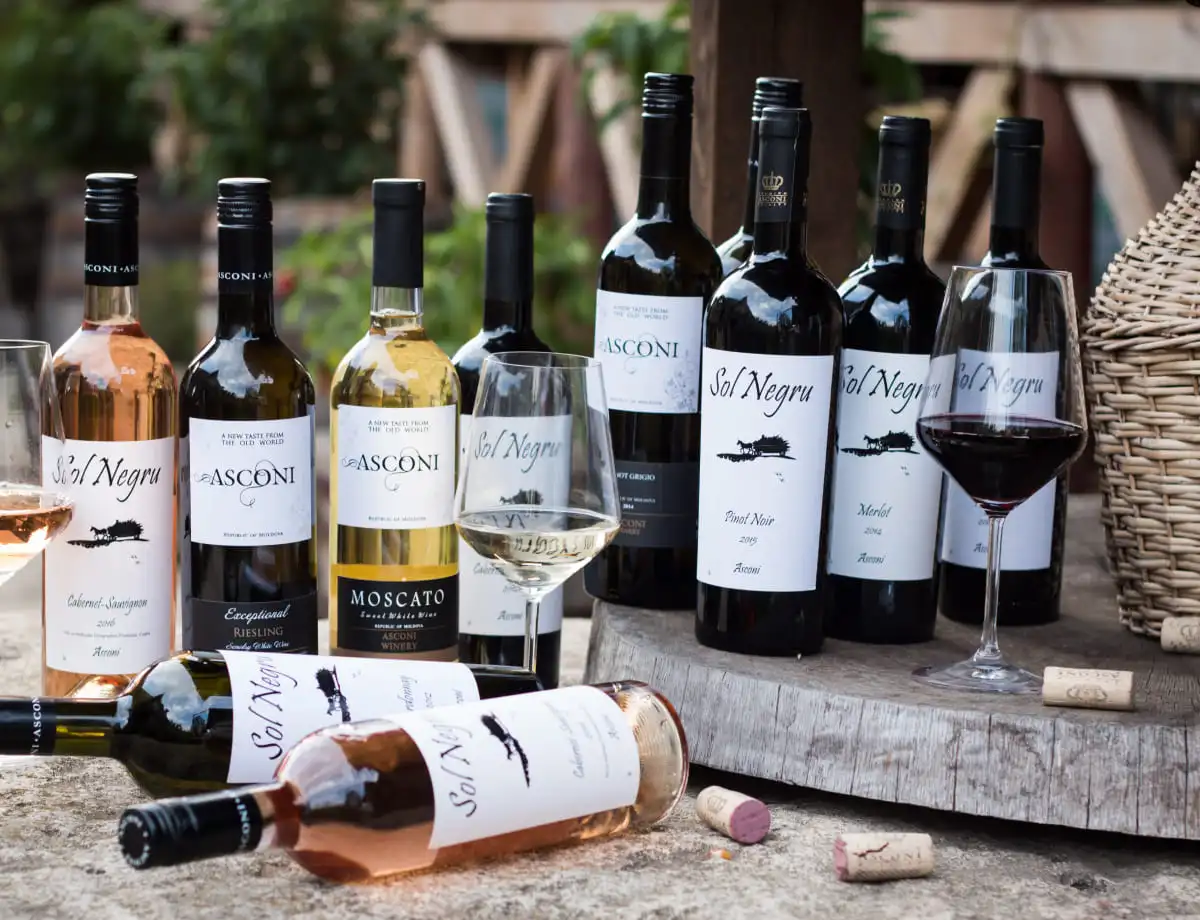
(737, 816)
(1181, 635)
(882, 857)
(1087, 688)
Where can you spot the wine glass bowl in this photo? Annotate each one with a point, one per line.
(1002, 413)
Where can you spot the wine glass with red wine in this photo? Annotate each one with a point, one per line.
(1003, 414)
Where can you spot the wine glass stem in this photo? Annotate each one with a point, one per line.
(989, 645)
(533, 604)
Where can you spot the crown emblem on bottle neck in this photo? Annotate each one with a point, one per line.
(772, 182)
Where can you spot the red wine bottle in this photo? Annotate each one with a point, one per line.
(886, 489)
(656, 275)
(771, 339)
(491, 611)
(1031, 563)
(775, 91)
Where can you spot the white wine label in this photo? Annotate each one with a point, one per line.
(516, 461)
(764, 438)
(395, 467)
(886, 488)
(110, 576)
(278, 699)
(251, 481)
(649, 348)
(1025, 383)
(512, 763)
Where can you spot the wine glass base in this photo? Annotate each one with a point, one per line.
(980, 678)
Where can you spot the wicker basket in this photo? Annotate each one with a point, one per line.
(1141, 340)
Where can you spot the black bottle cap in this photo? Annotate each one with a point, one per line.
(900, 129)
(784, 122)
(667, 94)
(505, 206)
(174, 831)
(1019, 132)
(399, 237)
(244, 202)
(110, 196)
(781, 92)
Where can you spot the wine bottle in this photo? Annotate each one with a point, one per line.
(774, 91)
(206, 720)
(394, 427)
(524, 453)
(886, 489)
(108, 603)
(246, 414)
(656, 275)
(771, 338)
(1032, 556)
(360, 802)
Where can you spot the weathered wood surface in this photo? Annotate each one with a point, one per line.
(852, 720)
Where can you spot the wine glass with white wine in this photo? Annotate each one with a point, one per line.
(537, 492)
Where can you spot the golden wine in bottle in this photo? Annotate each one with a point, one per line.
(364, 801)
(394, 436)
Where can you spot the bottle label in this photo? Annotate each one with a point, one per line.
(764, 438)
(507, 764)
(288, 625)
(278, 699)
(395, 467)
(251, 481)
(396, 617)
(886, 488)
(649, 348)
(1016, 383)
(658, 503)
(515, 461)
(110, 576)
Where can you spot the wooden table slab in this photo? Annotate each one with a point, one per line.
(852, 720)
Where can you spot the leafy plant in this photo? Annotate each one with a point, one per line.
(307, 92)
(331, 274)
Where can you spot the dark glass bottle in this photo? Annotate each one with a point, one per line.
(771, 340)
(1031, 565)
(491, 613)
(246, 477)
(783, 92)
(656, 275)
(886, 490)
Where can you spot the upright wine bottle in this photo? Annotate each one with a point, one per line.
(360, 802)
(771, 338)
(886, 489)
(108, 604)
(393, 588)
(524, 453)
(656, 275)
(1032, 556)
(774, 91)
(246, 412)
(206, 720)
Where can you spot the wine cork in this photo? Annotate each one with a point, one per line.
(1181, 634)
(1087, 688)
(882, 857)
(737, 816)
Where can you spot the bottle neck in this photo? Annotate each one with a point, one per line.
(781, 211)
(110, 271)
(664, 189)
(110, 306)
(81, 728)
(1016, 206)
(397, 309)
(508, 276)
(245, 282)
(751, 181)
(902, 181)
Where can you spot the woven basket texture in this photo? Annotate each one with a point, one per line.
(1141, 341)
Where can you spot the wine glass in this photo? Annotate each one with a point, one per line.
(1003, 414)
(537, 493)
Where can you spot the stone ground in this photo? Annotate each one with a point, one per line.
(59, 859)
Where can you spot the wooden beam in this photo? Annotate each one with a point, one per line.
(942, 32)
(968, 135)
(816, 41)
(420, 155)
(459, 117)
(577, 184)
(527, 119)
(618, 140)
(528, 21)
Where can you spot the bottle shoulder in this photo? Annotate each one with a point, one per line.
(891, 307)
(671, 258)
(114, 359)
(395, 371)
(735, 251)
(246, 368)
(777, 305)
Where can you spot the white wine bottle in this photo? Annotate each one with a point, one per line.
(203, 721)
(363, 801)
(108, 604)
(394, 434)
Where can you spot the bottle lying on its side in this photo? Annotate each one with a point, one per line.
(352, 803)
(201, 721)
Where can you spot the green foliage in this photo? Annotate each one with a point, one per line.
(168, 296)
(306, 92)
(332, 276)
(70, 94)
